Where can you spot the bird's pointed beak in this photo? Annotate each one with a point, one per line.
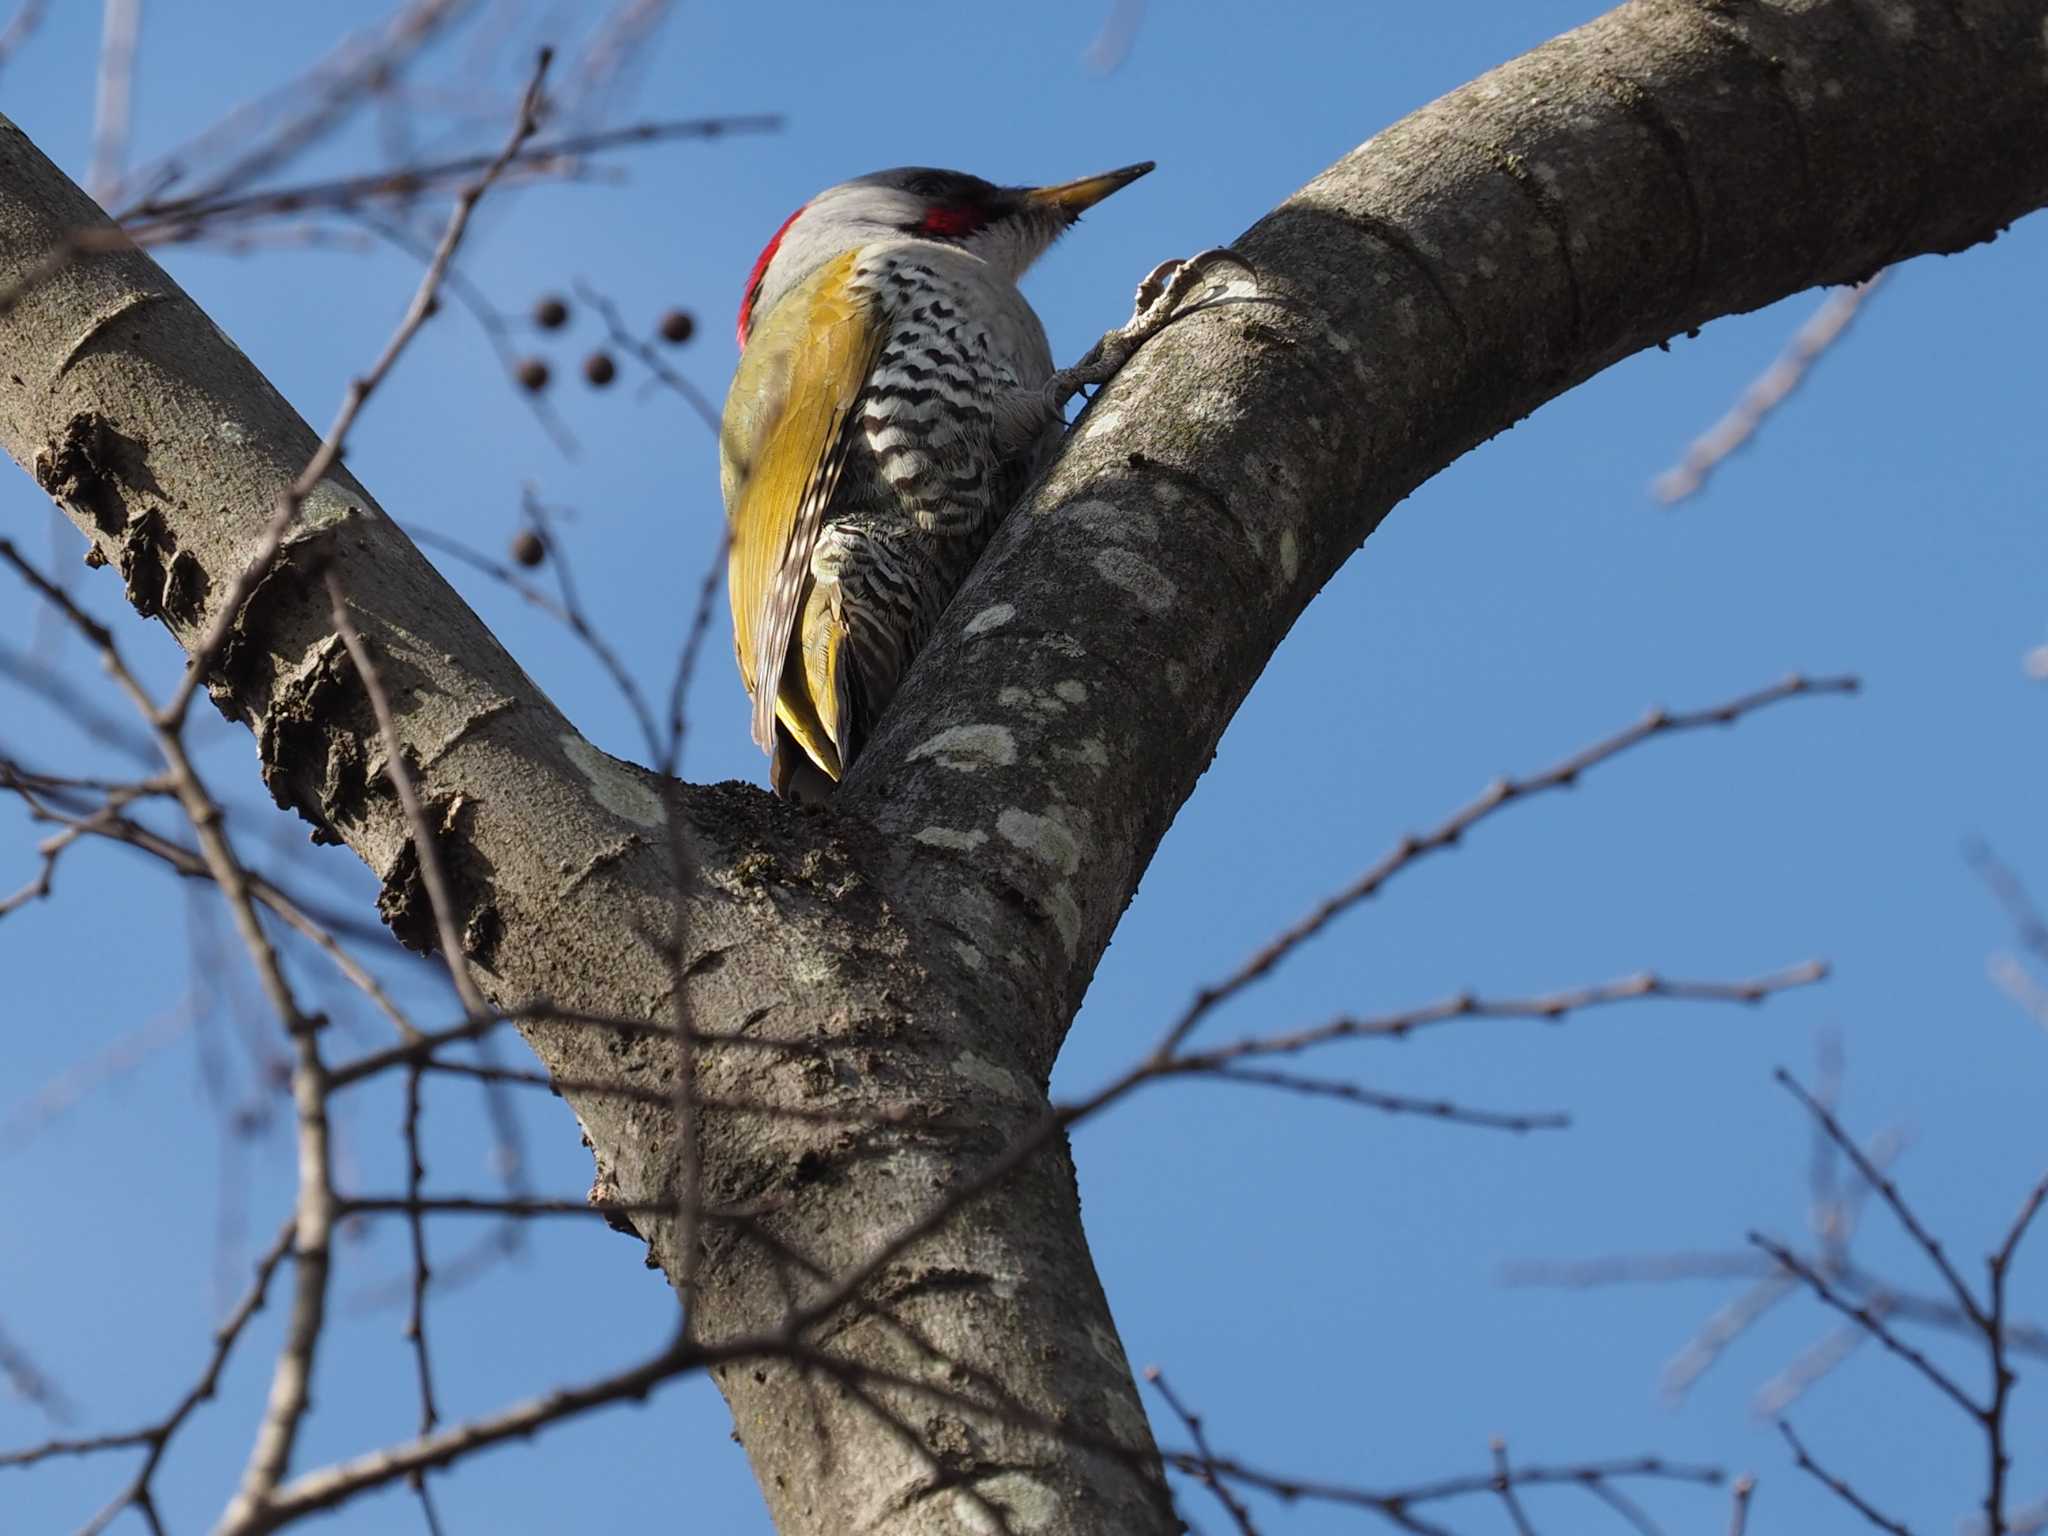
(1072, 197)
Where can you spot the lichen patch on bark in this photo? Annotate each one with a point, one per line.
(614, 786)
(969, 747)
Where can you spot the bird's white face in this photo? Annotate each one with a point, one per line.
(1007, 227)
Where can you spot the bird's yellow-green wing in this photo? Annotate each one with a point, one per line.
(783, 445)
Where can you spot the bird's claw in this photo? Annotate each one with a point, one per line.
(1160, 297)
(1167, 285)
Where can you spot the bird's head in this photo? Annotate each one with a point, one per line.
(1008, 227)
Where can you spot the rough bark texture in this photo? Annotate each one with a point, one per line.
(932, 936)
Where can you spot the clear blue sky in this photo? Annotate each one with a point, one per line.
(1320, 1280)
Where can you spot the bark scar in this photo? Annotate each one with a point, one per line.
(128, 305)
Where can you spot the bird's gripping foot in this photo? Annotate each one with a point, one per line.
(1165, 289)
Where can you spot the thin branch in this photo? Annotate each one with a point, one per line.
(1551, 1007)
(319, 928)
(1390, 1103)
(2000, 1267)
(1625, 1507)
(1634, 1269)
(1397, 1503)
(2005, 885)
(312, 106)
(114, 101)
(1836, 1486)
(1205, 1457)
(21, 27)
(2018, 983)
(207, 650)
(416, 1314)
(1811, 1366)
(155, 1438)
(152, 219)
(579, 621)
(1889, 1192)
(1738, 1517)
(426, 849)
(1770, 391)
(1504, 1485)
(692, 652)
(494, 325)
(991, 1519)
(329, 1486)
(193, 797)
(1448, 833)
(1721, 1329)
(125, 1053)
(647, 357)
(291, 1382)
(54, 687)
(1867, 1318)
(31, 1383)
(1027, 1142)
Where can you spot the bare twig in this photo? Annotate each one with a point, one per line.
(155, 1438)
(2018, 983)
(425, 846)
(1811, 1365)
(496, 328)
(2004, 883)
(2000, 1267)
(1738, 1518)
(1398, 1504)
(29, 1382)
(1765, 395)
(291, 1382)
(197, 803)
(21, 27)
(1835, 1485)
(322, 929)
(641, 352)
(21, 1124)
(1449, 832)
(1030, 1140)
(1888, 1191)
(54, 687)
(416, 1314)
(206, 652)
(579, 621)
(692, 651)
(1550, 1007)
(114, 102)
(329, 1486)
(1204, 1458)
(1112, 45)
(1867, 1318)
(158, 221)
(1389, 1103)
(1504, 1485)
(303, 112)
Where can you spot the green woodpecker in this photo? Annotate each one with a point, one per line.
(895, 395)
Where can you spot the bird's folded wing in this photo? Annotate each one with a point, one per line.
(819, 345)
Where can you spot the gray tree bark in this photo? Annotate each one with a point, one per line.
(931, 937)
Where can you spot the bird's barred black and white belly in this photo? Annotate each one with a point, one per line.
(924, 482)
(923, 454)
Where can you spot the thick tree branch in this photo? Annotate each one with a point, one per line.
(1668, 163)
